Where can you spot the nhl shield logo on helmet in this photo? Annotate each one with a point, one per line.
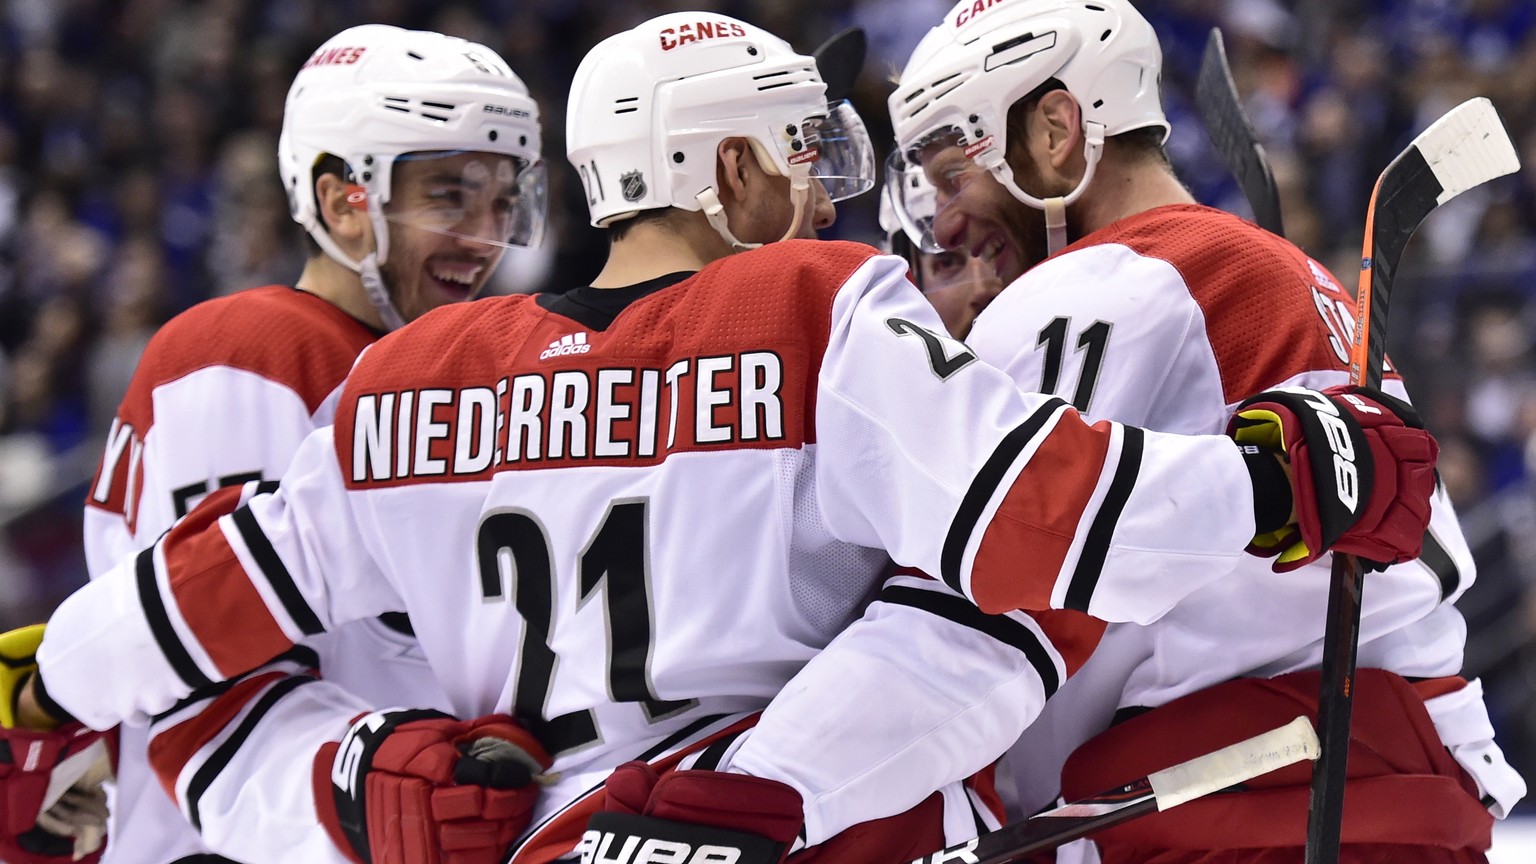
(632, 185)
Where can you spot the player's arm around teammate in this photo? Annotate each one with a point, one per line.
(984, 487)
(1155, 311)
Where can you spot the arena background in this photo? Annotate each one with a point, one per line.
(137, 177)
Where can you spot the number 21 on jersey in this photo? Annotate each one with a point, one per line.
(613, 561)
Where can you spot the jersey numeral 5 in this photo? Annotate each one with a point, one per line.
(614, 559)
(182, 497)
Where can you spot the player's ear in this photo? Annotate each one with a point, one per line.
(1060, 119)
(733, 165)
(339, 207)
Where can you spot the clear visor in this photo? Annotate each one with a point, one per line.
(922, 174)
(952, 272)
(489, 198)
(839, 151)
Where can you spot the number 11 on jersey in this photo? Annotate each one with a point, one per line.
(1091, 343)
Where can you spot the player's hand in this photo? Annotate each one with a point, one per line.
(1362, 470)
(421, 787)
(750, 819)
(52, 807)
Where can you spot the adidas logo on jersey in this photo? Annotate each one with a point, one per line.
(576, 343)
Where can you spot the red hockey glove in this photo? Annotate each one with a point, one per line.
(421, 787)
(693, 816)
(1362, 469)
(51, 802)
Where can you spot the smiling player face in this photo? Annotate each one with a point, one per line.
(450, 218)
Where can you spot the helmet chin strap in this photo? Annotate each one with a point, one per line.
(1055, 208)
(378, 295)
(714, 211)
(368, 268)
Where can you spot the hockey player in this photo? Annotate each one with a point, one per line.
(1045, 140)
(636, 514)
(957, 283)
(412, 160)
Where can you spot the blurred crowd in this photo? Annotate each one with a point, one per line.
(138, 177)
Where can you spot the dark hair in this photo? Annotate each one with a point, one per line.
(1018, 112)
(1146, 141)
(620, 229)
(326, 164)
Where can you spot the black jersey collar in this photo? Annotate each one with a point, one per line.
(595, 308)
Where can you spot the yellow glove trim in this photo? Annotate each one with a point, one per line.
(1296, 552)
(1273, 539)
(18, 660)
(1262, 429)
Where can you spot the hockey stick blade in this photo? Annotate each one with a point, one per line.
(1221, 110)
(840, 59)
(1465, 148)
(1159, 790)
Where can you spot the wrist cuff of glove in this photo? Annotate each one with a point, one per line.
(349, 771)
(1331, 464)
(54, 710)
(325, 801)
(610, 833)
(1272, 500)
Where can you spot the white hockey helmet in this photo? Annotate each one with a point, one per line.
(988, 54)
(649, 106)
(373, 95)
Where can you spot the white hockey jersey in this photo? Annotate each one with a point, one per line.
(223, 395)
(1168, 319)
(636, 514)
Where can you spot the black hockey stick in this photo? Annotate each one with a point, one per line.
(1465, 148)
(1221, 110)
(1159, 790)
(840, 59)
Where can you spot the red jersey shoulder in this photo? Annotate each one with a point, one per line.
(810, 264)
(448, 345)
(288, 336)
(781, 293)
(293, 338)
(1271, 312)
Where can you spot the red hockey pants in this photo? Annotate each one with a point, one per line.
(1406, 799)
